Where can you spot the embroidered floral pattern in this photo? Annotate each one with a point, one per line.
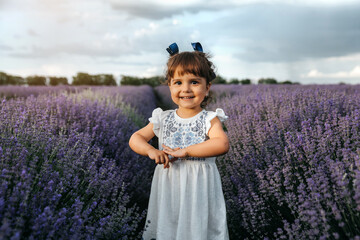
(177, 134)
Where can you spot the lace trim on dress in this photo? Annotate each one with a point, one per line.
(218, 113)
(156, 120)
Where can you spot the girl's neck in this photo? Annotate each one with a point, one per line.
(187, 112)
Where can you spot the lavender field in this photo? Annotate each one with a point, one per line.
(292, 172)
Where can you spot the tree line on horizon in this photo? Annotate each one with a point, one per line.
(82, 78)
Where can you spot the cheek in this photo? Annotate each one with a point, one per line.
(204, 91)
(173, 92)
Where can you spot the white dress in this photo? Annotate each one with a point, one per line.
(186, 200)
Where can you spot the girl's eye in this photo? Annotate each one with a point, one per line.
(194, 82)
(177, 83)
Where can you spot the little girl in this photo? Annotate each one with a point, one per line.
(186, 199)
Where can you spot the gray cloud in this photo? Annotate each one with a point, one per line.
(32, 33)
(155, 11)
(291, 33)
(81, 49)
(5, 47)
(266, 32)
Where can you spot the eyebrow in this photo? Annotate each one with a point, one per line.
(191, 79)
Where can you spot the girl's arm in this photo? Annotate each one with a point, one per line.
(139, 143)
(139, 140)
(218, 144)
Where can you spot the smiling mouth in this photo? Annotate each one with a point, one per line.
(186, 97)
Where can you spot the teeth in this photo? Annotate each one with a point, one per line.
(187, 97)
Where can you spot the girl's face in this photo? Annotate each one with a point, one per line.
(188, 91)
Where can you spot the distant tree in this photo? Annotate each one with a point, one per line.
(129, 80)
(17, 80)
(7, 79)
(98, 79)
(245, 81)
(267, 81)
(82, 79)
(219, 80)
(153, 81)
(36, 80)
(234, 81)
(136, 81)
(3, 78)
(107, 79)
(103, 79)
(58, 81)
(286, 82)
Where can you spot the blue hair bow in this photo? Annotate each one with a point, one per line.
(197, 46)
(174, 49)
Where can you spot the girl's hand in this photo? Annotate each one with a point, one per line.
(176, 152)
(160, 157)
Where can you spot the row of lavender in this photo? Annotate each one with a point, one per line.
(66, 171)
(10, 91)
(293, 170)
(128, 94)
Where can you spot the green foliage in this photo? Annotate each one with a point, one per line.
(267, 81)
(136, 81)
(105, 79)
(234, 81)
(36, 80)
(128, 80)
(219, 80)
(6, 79)
(237, 81)
(97, 80)
(82, 79)
(286, 82)
(58, 81)
(245, 81)
(3, 78)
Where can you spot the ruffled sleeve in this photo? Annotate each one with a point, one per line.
(211, 115)
(156, 120)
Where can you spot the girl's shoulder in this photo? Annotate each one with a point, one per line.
(211, 115)
(157, 117)
(158, 114)
(219, 112)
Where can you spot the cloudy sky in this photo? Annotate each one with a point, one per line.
(306, 41)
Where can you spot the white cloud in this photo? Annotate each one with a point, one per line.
(195, 35)
(66, 70)
(151, 29)
(57, 69)
(111, 36)
(151, 71)
(350, 57)
(354, 73)
(32, 33)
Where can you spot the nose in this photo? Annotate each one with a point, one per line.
(185, 87)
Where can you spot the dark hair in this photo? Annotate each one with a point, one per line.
(196, 63)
